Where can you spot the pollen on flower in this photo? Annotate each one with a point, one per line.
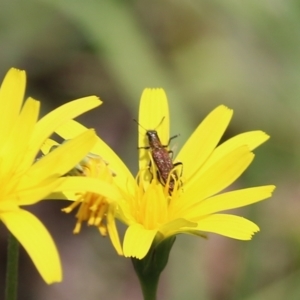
(174, 181)
(151, 204)
(93, 208)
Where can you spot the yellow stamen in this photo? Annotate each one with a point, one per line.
(93, 208)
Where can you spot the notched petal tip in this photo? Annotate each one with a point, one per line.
(14, 72)
(224, 108)
(270, 188)
(154, 114)
(91, 98)
(137, 241)
(14, 79)
(231, 226)
(265, 134)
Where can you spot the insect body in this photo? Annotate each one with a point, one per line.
(162, 159)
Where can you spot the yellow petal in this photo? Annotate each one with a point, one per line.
(70, 129)
(35, 191)
(123, 177)
(8, 205)
(17, 143)
(252, 139)
(60, 196)
(229, 200)
(153, 115)
(11, 99)
(47, 146)
(26, 122)
(124, 212)
(228, 225)
(93, 185)
(36, 240)
(204, 140)
(47, 125)
(59, 161)
(176, 226)
(113, 232)
(219, 176)
(137, 241)
(154, 207)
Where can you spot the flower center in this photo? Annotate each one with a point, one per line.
(93, 208)
(153, 203)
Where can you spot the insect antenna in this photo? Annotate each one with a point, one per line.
(148, 129)
(139, 124)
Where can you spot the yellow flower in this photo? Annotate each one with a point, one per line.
(24, 179)
(155, 212)
(206, 168)
(104, 174)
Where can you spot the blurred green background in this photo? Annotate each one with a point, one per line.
(243, 54)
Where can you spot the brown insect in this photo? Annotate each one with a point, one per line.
(162, 158)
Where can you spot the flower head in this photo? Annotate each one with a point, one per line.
(105, 176)
(202, 170)
(24, 179)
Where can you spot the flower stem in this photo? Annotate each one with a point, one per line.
(149, 289)
(12, 268)
(150, 267)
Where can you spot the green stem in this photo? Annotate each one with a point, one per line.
(150, 267)
(148, 278)
(149, 290)
(12, 268)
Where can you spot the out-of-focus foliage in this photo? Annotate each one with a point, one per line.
(244, 54)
